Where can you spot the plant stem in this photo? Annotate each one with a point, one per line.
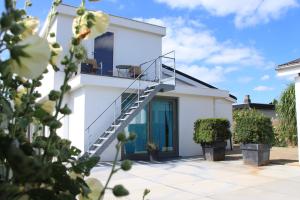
(118, 146)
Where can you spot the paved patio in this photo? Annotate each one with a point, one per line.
(196, 179)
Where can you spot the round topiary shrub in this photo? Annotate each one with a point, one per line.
(207, 131)
(251, 126)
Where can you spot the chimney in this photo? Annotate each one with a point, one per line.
(247, 99)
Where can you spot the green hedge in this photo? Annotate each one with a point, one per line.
(251, 126)
(211, 130)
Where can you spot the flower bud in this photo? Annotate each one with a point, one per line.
(6, 21)
(132, 136)
(55, 124)
(56, 50)
(121, 137)
(126, 165)
(16, 29)
(80, 11)
(65, 110)
(120, 191)
(54, 95)
(52, 34)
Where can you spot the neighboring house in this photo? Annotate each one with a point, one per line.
(292, 69)
(128, 85)
(267, 109)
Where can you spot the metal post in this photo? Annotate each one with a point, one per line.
(139, 92)
(174, 69)
(115, 112)
(159, 70)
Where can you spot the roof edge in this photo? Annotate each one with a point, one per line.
(195, 79)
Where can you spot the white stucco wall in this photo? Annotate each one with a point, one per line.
(76, 127)
(191, 108)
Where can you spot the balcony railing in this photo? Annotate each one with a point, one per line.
(121, 71)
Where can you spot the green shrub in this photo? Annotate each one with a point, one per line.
(251, 126)
(211, 130)
(286, 129)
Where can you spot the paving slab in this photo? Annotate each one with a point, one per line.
(196, 179)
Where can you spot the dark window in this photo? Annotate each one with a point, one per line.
(103, 53)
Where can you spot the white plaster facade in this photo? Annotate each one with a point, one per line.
(135, 42)
(293, 69)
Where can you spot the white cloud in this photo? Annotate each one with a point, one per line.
(246, 12)
(245, 79)
(265, 77)
(207, 74)
(263, 88)
(194, 42)
(197, 47)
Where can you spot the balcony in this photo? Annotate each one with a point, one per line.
(155, 70)
(91, 67)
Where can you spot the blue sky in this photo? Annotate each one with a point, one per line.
(232, 44)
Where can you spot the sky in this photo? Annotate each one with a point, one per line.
(234, 45)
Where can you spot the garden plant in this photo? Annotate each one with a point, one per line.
(212, 134)
(255, 133)
(42, 166)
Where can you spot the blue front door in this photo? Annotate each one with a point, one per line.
(103, 53)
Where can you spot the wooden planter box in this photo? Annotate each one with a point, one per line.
(214, 151)
(256, 154)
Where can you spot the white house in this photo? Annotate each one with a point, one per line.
(129, 85)
(292, 68)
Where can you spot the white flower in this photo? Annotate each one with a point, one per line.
(20, 92)
(96, 188)
(56, 51)
(48, 106)
(101, 21)
(34, 63)
(31, 26)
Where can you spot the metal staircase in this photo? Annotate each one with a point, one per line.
(124, 108)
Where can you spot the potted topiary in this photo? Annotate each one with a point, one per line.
(152, 151)
(212, 134)
(255, 133)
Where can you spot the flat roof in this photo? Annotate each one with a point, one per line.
(119, 21)
(289, 63)
(260, 106)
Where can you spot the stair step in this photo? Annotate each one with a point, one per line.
(149, 90)
(100, 140)
(97, 145)
(123, 119)
(110, 132)
(138, 101)
(92, 152)
(144, 96)
(115, 125)
(133, 107)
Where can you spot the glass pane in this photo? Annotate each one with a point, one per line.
(138, 126)
(162, 124)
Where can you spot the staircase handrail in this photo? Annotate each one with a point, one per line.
(136, 79)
